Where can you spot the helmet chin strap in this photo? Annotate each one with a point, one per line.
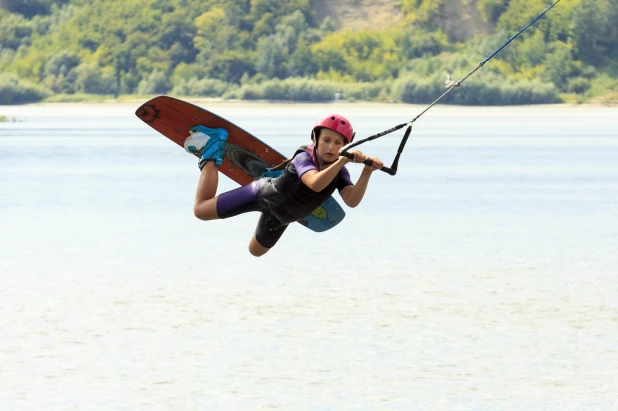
(314, 138)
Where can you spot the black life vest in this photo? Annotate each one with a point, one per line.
(287, 198)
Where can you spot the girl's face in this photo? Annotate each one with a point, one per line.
(329, 144)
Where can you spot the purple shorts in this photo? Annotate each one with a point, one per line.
(238, 201)
(245, 199)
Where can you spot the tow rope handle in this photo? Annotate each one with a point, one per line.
(388, 170)
(392, 170)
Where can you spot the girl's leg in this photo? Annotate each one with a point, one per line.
(209, 144)
(264, 237)
(256, 249)
(205, 207)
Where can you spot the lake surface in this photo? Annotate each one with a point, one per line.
(483, 276)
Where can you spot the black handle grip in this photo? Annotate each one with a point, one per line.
(387, 170)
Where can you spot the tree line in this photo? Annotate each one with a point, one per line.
(272, 49)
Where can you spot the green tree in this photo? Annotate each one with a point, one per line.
(559, 64)
(531, 51)
(265, 25)
(590, 30)
(291, 28)
(15, 31)
(230, 66)
(301, 63)
(93, 80)
(128, 82)
(58, 74)
(155, 83)
(272, 57)
(30, 8)
(281, 8)
(518, 14)
(491, 10)
(420, 43)
(329, 58)
(177, 36)
(15, 91)
(213, 31)
(612, 37)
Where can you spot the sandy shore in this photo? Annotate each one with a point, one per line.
(13, 113)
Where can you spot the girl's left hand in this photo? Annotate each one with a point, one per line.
(377, 163)
(359, 157)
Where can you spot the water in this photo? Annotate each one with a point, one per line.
(482, 277)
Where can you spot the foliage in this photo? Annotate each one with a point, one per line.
(30, 8)
(15, 31)
(603, 85)
(271, 49)
(375, 91)
(595, 33)
(579, 85)
(486, 90)
(202, 88)
(156, 83)
(492, 9)
(14, 91)
(294, 89)
(422, 12)
(78, 98)
(366, 55)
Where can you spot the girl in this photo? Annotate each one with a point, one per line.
(308, 180)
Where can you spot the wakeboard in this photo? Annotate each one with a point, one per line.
(246, 157)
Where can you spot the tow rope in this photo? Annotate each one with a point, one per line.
(392, 170)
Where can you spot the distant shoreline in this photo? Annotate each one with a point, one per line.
(253, 103)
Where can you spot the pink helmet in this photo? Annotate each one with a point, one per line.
(335, 122)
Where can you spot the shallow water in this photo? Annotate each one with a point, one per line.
(482, 277)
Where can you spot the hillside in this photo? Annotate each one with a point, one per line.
(383, 50)
(359, 14)
(459, 19)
